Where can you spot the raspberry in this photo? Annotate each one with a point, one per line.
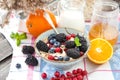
(73, 53)
(58, 50)
(57, 74)
(18, 66)
(28, 50)
(50, 57)
(41, 46)
(70, 44)
(31, 60)
(61, 37)
(44, 75)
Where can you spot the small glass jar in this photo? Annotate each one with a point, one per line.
(71, 14)
(104, 23)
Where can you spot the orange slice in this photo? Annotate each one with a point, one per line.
(100, 51)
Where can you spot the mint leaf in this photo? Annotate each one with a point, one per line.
(12, 35)
(23, 36)
(77, 41)
(18, 42)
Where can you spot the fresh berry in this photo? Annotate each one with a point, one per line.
(58, 50)
(31, 60)
(50, 57)
(68, 74)
(73, 53)
(81, 38)
(66, 58)
(70, 44)
(42, 46)
(75, 78)
(18, 66)
(57, 44)
(44, 75)
(79, 70)
(62, 76)
(28, 50)
(84, 72)
(51, 36)
(83, 47)
(52, 78)
(73, 35)
(60, 58)
(68, 37)
(57, 74)
(79, 77)
(51, 50)
(74, 72)
(61, 37)
(52, 41)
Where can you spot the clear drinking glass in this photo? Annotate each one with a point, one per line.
(104, 23)
(70, 14)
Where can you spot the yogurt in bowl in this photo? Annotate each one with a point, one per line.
(62, 50)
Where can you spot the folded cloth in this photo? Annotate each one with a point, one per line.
(107, 71)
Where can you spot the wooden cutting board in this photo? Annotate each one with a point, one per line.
(5, 47)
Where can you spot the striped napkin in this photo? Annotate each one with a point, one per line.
(107, 71)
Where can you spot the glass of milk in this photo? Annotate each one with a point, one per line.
(71, 14)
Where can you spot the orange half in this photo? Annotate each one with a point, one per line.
(100, 51)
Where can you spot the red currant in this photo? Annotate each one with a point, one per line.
(50, 57)
(74, 72)
(84, 72)
(68, 74)
(44, 75)
(52, 78)
(79, 70)
(62, 76)
(58, 49)
(79, 77)
(68, 37)
(73, 35)
(74, 78)
(57, 74)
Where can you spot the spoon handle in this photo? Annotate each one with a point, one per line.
(47, 17)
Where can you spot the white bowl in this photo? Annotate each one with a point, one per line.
(60, 64)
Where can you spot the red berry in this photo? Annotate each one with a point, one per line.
(68, 37)
(81, 53)
(79, 77)
(73, 35)
(52, 78)
(74, 72)
(79, 70)
(62, 76)
(84, 72)
(50, 57)
(74, 78)
(57, 74)
(44, 75)
(58, 49)
(68, 74)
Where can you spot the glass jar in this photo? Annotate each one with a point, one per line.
(104, 23)
(70, 14)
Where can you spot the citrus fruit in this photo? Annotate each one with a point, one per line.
(37, 24)
(100, 51)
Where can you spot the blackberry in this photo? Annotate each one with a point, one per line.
(31, 60)
(51, 36)
(83, 48)
(61, 37)
(81, 38)
(42, 46)
(73, 53)
(70, 44)
(28, 50)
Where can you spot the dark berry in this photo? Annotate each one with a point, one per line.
(31, 60)
(50, 57)
(66, 58)
(73, 53)
(60, 58)
(18, 66)
(70, 44)
(56, 44)
(51, 36)
(42, 46)
(28, 50)
(51, 50)
(83, 48)
(81, 38)
(52, 41)
(61, 37)
(57, 74)
(44, 75)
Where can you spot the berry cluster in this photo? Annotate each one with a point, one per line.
(72, 45)
(77, 74)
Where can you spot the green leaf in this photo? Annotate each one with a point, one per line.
(18, 42)
(17, 35)
(77, 41)
(23, 36)
(12, 35)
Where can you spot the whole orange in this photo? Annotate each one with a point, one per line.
(37, 24)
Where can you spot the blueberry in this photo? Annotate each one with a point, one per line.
(60, 58)
(66, 58)
(51, 50)
(18, 66)
(57, 44)
(52, 41)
